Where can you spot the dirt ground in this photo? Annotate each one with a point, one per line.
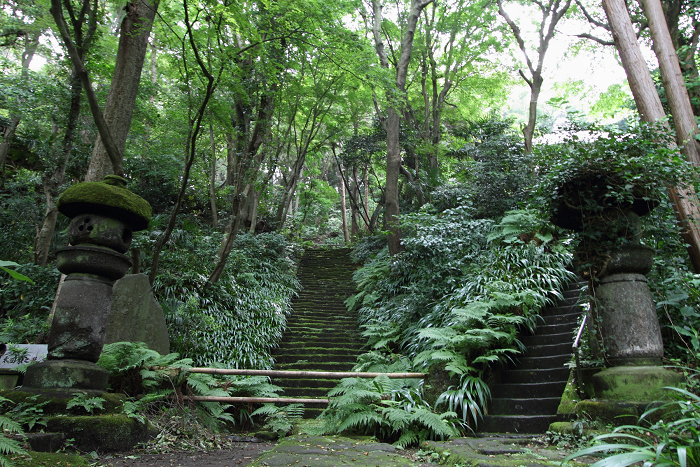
(242, 455)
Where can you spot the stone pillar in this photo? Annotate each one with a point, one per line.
(630, 330)
(103, 217)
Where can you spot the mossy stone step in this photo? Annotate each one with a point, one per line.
(304, 392)
(309, 358)
(321, 334)
(306, 382)
(317, 366)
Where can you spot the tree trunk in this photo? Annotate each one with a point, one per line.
(393, 121)
(343, 210)
(554, 11)
(672, 78)
(212, 179)
(42, 243)
(651, 110)
(121, 99)
(31, 43)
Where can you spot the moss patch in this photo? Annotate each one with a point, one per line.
(567, 406)
(106, 433)
(57, 405)
(45, 459)
(108, 200)
(608, 412)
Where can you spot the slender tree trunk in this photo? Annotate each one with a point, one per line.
(121, 99)
(31, 43)
(672, 78)
(651, 110)
(343, 210)
(212, 179)
(52, 184)
(393, 120)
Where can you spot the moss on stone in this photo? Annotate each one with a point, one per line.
(106, 199)
(608, 412)
(56, 404)
(567, 406)
(46, 459)
(568, 428)
(635, 383)
(106, 433)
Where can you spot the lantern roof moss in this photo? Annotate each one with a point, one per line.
(108, 198)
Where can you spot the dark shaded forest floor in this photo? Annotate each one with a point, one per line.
(244, 454)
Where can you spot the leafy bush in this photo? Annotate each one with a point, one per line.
(238, 320)
(674, 439)
(586, 183)
(458, 295)
(390, 410)
(495, 170)
(159, 382)
(25, 305)
(8, 446)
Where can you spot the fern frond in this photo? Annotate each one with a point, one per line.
(366, 419)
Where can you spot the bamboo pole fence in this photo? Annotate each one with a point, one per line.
(283, 374)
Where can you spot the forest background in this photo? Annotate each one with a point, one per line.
(256, 129)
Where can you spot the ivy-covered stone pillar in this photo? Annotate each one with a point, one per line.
(103, 217)
(617, 263)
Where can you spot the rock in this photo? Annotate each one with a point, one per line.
(136, 316)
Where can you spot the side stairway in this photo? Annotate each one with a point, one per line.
(527, 398)
(321, 334)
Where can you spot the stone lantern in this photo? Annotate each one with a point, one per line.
(630, 331)
(103, 217)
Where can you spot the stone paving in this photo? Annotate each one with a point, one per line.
(337, 451)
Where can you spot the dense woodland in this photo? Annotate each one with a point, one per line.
(257, 129)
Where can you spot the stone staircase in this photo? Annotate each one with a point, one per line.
(529, 393)
(321, 334)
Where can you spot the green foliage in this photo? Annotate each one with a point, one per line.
(85, 402)
(280, 419)
(8, 446)
(238, 320)
(673, 439)
(595, 174)
(493, 169)
(390, 410)
(157, 383)
(27, 414)
(468, 399)
(459, 294)
(25, 306)
(14, 274)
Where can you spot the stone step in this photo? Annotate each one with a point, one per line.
(561, 310)
(545, 329)
(548, 361)
(571, 318)
(317, 366)
(312, 393)
(528, 390)
(516, 423)
(306, 382)
(535, 375)
(549, 350)
(538, 406)
(350, 357)
(548, 339)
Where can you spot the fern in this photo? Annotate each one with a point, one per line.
(390, 409)
(8, 446)
(280, 419)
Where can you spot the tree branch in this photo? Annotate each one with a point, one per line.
(114, 155)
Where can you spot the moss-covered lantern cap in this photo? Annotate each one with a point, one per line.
(108, 198)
